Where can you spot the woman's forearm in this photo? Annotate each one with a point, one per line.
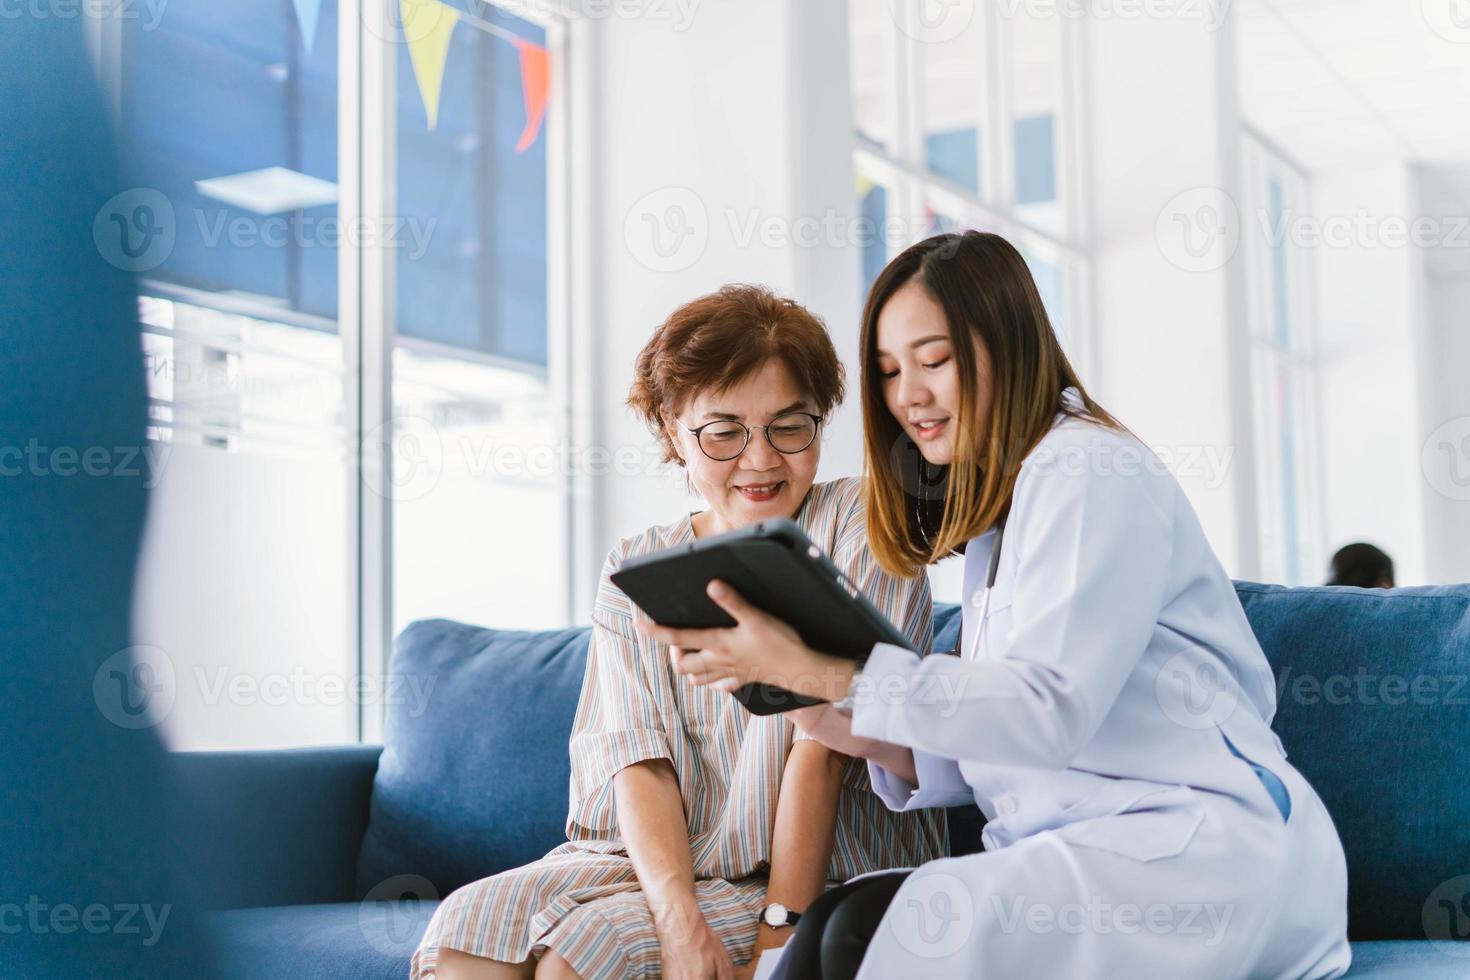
(806, 824)
(651, 819)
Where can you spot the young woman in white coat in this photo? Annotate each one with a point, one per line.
(1108, 709)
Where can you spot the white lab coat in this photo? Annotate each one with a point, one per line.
(1088, 721)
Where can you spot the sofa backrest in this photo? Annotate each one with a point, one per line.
(474, 774)
(1373, 709)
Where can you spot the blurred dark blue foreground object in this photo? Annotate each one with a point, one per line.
(334, 858)
(86, 807)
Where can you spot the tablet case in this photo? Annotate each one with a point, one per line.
(776, 568)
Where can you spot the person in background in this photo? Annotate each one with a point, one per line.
(1362, 565)
(94, 849)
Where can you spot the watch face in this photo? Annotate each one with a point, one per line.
(775, 914)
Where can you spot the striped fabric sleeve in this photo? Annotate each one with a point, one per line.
(906, 603)
(618, 721)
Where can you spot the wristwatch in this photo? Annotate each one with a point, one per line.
(778, 916)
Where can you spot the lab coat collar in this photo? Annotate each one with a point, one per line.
(1071, 402)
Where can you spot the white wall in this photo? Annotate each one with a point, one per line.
(1169, 331)
(1367, 306)
(1445, 365)
(739, 123)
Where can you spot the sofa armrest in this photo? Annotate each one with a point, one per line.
(278, 827)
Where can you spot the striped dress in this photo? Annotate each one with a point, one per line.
(583, 899)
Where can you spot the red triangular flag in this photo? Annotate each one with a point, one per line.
(535, 83)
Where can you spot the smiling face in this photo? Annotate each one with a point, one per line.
(920, 379)
(760, 483)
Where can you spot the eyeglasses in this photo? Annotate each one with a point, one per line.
(725, 439)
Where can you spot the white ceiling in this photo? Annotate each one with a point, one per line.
(1338, 83)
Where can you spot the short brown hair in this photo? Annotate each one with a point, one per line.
(716, 341)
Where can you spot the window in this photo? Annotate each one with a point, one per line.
(352, 310)
(963, 116)
(1283, 369)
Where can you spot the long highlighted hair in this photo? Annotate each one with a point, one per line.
(919, 513)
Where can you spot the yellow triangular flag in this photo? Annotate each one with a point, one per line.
(427, 27)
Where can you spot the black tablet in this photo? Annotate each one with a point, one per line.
(776, 568)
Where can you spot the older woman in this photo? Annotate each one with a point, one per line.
(697, 831)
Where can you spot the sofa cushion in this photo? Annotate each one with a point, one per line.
(1405, 960)
(335, 941)
(474, 773)
(1374, 709)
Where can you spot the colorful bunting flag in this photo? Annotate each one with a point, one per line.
(535, 86)
(428, 26)
(307, 13)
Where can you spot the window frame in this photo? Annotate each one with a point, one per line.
(1299, 360)
(902, 169)
(366, 144)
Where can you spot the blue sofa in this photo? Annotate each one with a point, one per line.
(328, 863)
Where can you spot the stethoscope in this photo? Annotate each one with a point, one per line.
(981, 599)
